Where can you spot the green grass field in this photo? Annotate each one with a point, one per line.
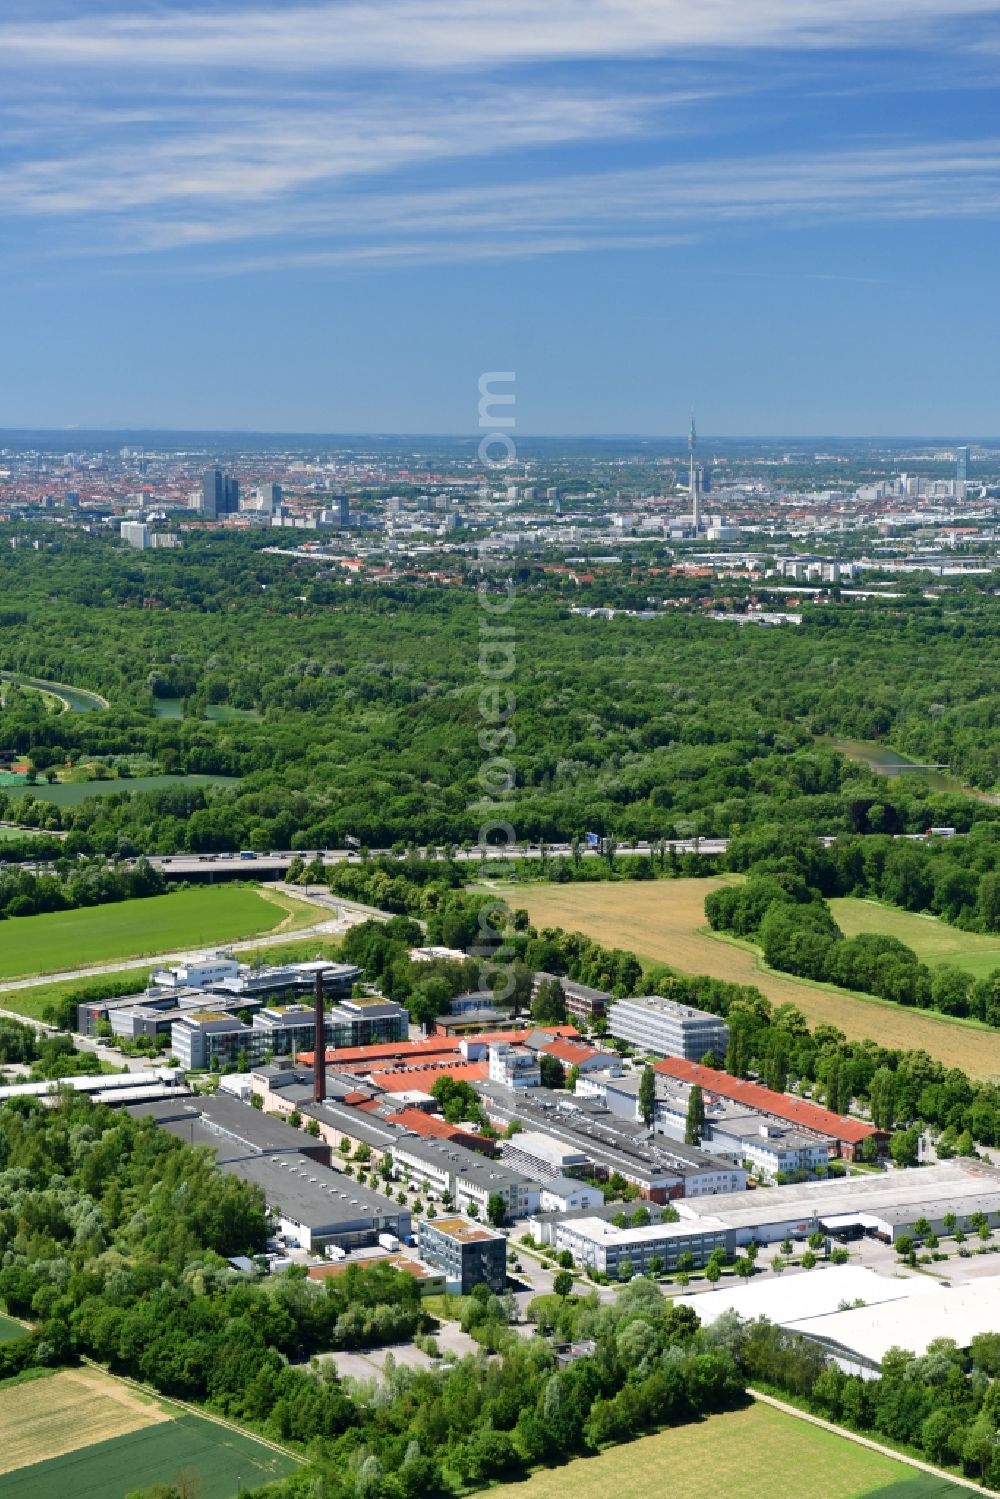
(63, 940)
(744, 1455)
(71, 793)
(32, 1002)
(16, 835)
(10, 1331)
(921, 1486)
(932, 940)
(224, 1461)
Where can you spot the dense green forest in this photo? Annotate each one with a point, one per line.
(352, 708)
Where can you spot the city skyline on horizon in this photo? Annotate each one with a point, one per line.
(333, 218)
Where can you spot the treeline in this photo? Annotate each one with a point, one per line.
(943, 1403)
(112, 1235)
(73, 885)
(798, 934)
(957, 879)
(503, 952)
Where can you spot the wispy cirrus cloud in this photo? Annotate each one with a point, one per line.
(406, 131)
(421, 34)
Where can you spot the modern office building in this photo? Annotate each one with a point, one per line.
(220, 494)
(469, 1253)
(271, 496)
(666, 1028)
(961, 464)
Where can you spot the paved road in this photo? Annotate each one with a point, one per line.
(852, 1436)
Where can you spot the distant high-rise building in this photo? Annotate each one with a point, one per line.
(270, 497)
(341, 507)
(136, 533)
(213, 495)
(220, 494)
(961, 464)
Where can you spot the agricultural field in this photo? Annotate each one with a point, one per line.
(742, 1454)
(663, 921)
(932, 940)
(61, 941)
(83, 1432)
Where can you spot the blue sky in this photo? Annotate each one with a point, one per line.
(334, 217)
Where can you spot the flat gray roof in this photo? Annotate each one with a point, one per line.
(908, 1192)
(610, 1141)
(324, 1200)
(468, 1164)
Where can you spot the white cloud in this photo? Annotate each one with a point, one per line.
(419, 34)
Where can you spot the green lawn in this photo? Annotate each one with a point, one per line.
(746, 1454)
(62, 940)
(223, 1460)
(932, 940)
(10, 1331)
(71, 793)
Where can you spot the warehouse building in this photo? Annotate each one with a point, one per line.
(859, 1338)
(653, 1249)
(885, 1205)
(665, 1028)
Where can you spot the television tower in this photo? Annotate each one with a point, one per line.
(694, 478)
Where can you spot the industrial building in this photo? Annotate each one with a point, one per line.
(656, 1247)
(469, 1253)
(768, 1146)
(665, 1028)
(612, 1146)
(468, 1178)
(884, 1205)
(845, 1136)
(216, 1037)
(582, 1002)
(312, 1204)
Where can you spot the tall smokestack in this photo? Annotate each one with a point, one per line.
(319, 1064)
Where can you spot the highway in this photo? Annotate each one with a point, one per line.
(187, 865)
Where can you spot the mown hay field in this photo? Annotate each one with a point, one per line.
(663, 921)
(81, 1432)
(743, 1454)
(45, 1418)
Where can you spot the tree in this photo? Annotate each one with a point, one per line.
(695, 1125)
(904, 1147)
(647, 1097)
(778, 1264)
(808, 1260)
(744, 1267)
(548, 1007)
(713, 1272)
(552, 1071)
(562, 1284)
(496, 1209)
